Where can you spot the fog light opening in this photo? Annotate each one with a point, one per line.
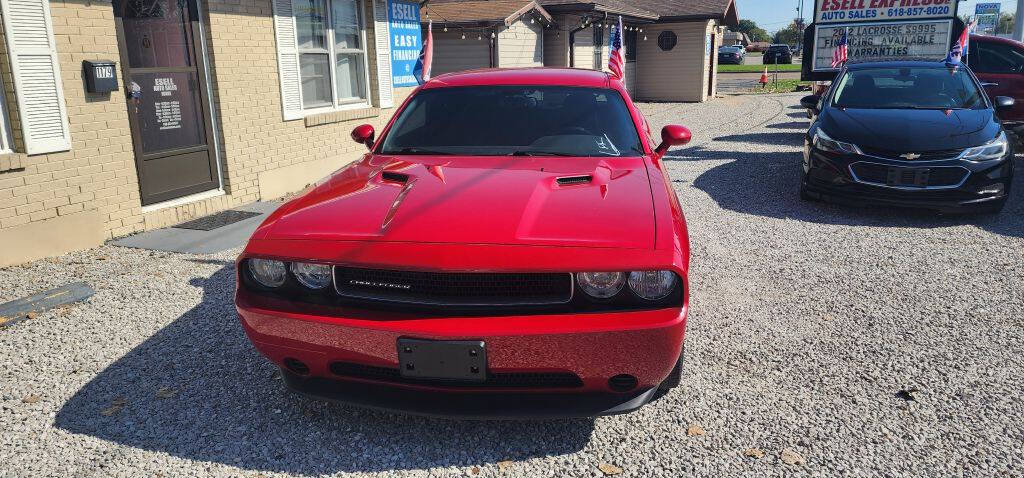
(296, 366)
(622, 383)
(991, 189)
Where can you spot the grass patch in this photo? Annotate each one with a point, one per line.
(755, 68)
(783, 86)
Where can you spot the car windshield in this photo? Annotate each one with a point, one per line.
(908, 88)
(515, 120)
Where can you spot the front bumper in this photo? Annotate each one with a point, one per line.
(593, 347)
(829, 177)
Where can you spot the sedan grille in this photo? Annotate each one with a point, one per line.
(916, 155)
(455, 288)
(894, 176)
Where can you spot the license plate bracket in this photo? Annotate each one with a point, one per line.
(454, 360)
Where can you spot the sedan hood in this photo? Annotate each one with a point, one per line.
(910, 130)
(561, 201)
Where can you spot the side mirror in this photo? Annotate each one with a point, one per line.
(363, 135)
(810, 102)
(673, 135)
(1004, 102)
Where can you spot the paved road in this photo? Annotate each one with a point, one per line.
(822, 341)
(755, 58)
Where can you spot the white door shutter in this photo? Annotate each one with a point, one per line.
(382, 40)
(287, 60)
(36, 71)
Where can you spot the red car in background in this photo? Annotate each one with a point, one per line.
(510, 246)
(999, 64)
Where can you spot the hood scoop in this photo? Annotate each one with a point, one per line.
(574, 180)
(393, 177)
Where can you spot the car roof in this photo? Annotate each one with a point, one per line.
(995, 39)
(522, 76)
(867, 65)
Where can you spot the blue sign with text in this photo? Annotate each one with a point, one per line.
(406, 41)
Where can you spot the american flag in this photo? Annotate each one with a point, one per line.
(960, 49)
(616, 61)
(426, 61)
(842, 51)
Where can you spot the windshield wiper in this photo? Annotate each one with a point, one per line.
(540, 153)
(420, 152)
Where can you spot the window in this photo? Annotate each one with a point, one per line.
(515, 120)
(332, 53)
(908, 88)
(992, 57)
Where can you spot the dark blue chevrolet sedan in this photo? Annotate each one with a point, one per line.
(908, 133)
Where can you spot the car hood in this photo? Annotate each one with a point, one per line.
(910, 130)
(477, 200)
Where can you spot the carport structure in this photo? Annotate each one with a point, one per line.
(669, 43)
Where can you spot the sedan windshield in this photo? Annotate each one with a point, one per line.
(908, 88)
(515, 120)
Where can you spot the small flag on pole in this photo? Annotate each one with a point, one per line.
(616, 60)
(426, 61)
(959, 50)
(842, 51)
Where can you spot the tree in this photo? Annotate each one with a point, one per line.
(789, 35)
(756, 33)
(1006, 23)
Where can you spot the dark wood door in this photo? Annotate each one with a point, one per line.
(168, 107)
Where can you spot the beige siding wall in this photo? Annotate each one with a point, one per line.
(556, 44)
(677, 75)
(583, 48)
(452, 53)
(261, 154)
(521, 45)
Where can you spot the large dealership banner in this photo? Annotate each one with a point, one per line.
(406, 40)
(929, 39)
(849, 11)
(987, 15)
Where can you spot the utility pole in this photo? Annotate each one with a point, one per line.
(1018, 25)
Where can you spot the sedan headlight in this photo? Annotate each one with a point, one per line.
(823, 142)
(652, 285)
(995, 149)
(268, 272)
(314, 276)
(601, 285)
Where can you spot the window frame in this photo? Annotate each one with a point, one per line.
(336, 103)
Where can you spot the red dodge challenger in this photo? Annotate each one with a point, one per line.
(510, 246)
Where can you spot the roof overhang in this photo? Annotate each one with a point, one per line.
(486, 21)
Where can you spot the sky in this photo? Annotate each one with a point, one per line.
(773, 15)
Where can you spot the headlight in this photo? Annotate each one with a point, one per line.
(267, 272)
(652, 285)
(824, 143)
(996, 149)
(314, 276)
(601, 285)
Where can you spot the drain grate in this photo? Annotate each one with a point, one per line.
(218, 220)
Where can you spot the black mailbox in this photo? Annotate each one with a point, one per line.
(100, 76)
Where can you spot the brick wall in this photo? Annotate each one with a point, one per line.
(98, 175)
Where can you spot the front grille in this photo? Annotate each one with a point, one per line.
(494, 380)
(895, 176)
(453, 288)
(924, 155)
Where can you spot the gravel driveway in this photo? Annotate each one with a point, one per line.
(822, 340)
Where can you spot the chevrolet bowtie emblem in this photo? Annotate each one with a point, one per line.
(910, 156)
